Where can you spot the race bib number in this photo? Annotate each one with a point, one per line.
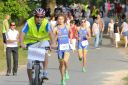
(84, 43)
(64, 46)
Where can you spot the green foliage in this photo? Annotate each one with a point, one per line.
(15, 8)
(1, 8)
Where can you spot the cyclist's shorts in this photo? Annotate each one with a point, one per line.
(30, 54)
(42, 44)
(30, 64)
(61, 54)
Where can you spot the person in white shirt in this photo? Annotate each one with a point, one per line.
(111, 31)
(12, 36)
(96, 33)
(53, 22)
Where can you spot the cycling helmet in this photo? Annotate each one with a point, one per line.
(39, 11)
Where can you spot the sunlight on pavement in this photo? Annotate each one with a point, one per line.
(115, 78)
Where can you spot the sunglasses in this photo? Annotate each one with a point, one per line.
(39, 16)
(83, 22)
(13, 25)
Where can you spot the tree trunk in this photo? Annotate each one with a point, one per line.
(52, 4)
(43, 3)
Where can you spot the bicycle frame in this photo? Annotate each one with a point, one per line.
(36, 79)
(36, 71)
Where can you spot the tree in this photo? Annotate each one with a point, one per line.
(16, 8)
(52, 4)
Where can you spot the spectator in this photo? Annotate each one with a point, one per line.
(116, 32)
(53, 23)
(101, 27)
(74, 36)
(12, 37)
(124, 32)
(112, 9)
(5, 29)
(96, 33)
(109, 7)
(88, 13)
(111, 31)
(77, 15)
(48, 11)
(94, 13)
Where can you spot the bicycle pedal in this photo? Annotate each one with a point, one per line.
(45, 78)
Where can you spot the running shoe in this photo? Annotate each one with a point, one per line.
(66, 75)
(63, 82)
(80, 59)
(83, 69)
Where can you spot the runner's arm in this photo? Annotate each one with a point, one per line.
(51, 35)
(103, 25)
(118, 30)
(122, 30)
(93, 29)
(108, 28)
(55, 31)
(77, 33)
(89, 32)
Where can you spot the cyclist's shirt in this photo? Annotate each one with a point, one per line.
(83, 42)
(63, 39)
(26, 28)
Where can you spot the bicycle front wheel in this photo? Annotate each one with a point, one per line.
(37, 75)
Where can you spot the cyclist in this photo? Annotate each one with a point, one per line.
(82, 43)
(35, 29)
(61, 35)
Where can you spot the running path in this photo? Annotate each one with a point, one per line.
(100, 63)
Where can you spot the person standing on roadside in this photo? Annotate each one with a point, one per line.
(124, 32)
(73, 28)
(101, 27)
(96, 33)
(12, 36)
(5, 28)
(117, 33)
(111, 31)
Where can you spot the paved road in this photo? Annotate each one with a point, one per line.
(106, 59)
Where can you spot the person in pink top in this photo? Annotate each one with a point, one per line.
(73, 39)
(109, 6)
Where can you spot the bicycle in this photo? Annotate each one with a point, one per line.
(37, 51)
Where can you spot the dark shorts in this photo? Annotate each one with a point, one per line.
(4, 38)
(61, 54)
